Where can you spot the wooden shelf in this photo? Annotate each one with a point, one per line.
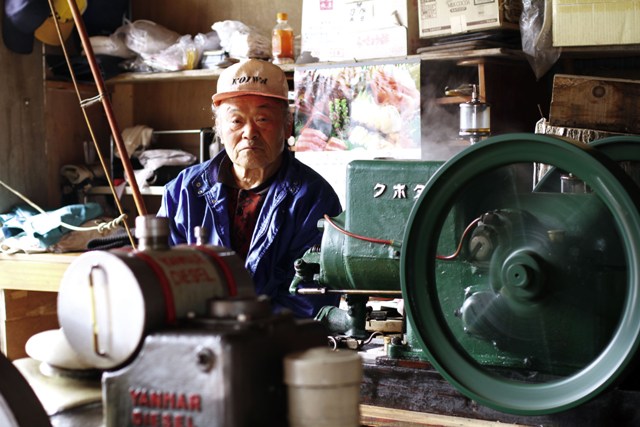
(68, 86)
(200, 74)
(176, 76)
(448, 100)
(212, 74)
(471, 54)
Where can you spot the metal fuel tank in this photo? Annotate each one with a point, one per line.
(109, 300)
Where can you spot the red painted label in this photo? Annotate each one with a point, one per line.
(162, 408)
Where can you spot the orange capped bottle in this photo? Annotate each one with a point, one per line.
(282, 40)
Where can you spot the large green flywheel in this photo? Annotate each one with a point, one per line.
(526, 301)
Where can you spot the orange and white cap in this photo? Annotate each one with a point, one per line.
(252, 77)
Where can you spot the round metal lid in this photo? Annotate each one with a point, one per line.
(102, 309)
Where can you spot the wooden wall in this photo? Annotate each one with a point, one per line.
(23, 163)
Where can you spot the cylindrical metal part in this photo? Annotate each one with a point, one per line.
(109, 300)
(152, 232)
(572, 184)
(323, 388)
(202, 234)
(475, 117)
(240, 309)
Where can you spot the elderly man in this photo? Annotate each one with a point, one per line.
(254, 197)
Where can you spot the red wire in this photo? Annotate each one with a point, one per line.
(357, 236)
(459, 248)
(390, 242)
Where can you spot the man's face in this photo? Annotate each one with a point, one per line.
(253, 130)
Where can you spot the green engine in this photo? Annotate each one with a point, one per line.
(380, 196)
(522, 290)
(360, 250)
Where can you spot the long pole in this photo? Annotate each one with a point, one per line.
(106, 103)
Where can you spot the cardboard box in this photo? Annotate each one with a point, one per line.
(347, 30)
(577, 134)
(23, 314)
(14, 334)
(595, 23)
(582, 135)
(18, 304)
(440, 18)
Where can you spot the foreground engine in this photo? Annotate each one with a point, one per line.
(180, 334)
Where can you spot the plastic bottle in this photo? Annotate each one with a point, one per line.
(282, 40)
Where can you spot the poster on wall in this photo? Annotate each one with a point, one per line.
(359, 111)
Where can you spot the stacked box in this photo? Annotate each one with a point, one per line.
(347, 30)
(24, 314)
(595, 23)
(441, 18)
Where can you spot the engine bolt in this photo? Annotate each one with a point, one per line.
(204, 359)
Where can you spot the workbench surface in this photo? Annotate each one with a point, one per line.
(33, 272)
(28, 292)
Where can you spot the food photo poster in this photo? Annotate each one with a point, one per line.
(354, 112)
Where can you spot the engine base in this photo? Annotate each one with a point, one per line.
(415, 385)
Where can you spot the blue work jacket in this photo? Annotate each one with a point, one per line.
(286, 226)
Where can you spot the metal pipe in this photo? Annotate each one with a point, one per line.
(323, 291)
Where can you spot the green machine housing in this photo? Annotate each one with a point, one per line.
(360, 250)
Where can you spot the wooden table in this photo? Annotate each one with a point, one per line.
(28, 297)
(377, 416)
